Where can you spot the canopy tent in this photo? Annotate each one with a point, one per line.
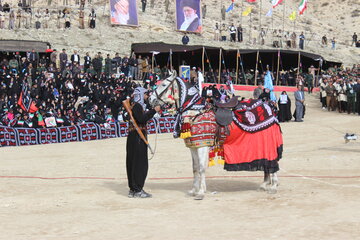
(209, 57)
(23, 46)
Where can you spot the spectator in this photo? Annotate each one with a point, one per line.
(143, 5)
(354, 39)
(240, 33)
(301, 41)
(223, 13)
(333, 43)
(217, 32)
(92, 19)
(324, 40)
(223, 32)
(203, 11)
(232, 30)
(185, 39)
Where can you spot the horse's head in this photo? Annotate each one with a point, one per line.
(165, 92)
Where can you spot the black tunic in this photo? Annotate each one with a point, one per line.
(136, 150)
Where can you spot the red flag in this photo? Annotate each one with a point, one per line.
(26, 103)
(251, 1)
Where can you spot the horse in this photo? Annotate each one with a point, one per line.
(190, 105)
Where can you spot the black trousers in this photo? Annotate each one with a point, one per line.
(136, 161)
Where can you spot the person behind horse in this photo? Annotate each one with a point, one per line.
(299, 104)
(136, 149)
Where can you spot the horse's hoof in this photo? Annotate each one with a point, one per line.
(272, 191)
(191, 193)
(263, 188)
(199, 197)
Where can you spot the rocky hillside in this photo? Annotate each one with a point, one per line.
(335, 18)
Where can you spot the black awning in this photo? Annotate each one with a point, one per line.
(23, 46)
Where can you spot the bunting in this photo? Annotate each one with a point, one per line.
(292, 16)
(246, 12)
(302, 6)
(275, 3)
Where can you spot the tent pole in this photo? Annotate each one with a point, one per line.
(203, 59)
(237, 66)
(219, 65)
(171, 65)
(277, 72)
(257, 60)
(260, 14)
(298, 69)
(152, 63)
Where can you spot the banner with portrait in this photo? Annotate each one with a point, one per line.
(188, 15)
(124, 12)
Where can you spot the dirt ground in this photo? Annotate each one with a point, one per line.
(79, 190)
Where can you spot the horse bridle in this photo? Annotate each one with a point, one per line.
(159, 95)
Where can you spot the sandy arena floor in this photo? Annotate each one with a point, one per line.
(79, 190)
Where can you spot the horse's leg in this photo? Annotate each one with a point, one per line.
(196, 180)
(203, 159)
(274, 183)
(264, 185)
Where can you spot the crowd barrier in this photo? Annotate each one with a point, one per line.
(84, 132)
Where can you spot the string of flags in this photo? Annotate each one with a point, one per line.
(274, 3)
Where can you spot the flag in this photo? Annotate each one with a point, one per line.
(25, 101)
(246, 12)
(231, 7)
(269, 13)
(274, 3)
(292, 16)
(302, 6)
(251, 1)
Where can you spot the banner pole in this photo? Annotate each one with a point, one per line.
(203, 59)
(298, 69)
(277, 72)
(257, 60)
(219, 65)
(237, 66)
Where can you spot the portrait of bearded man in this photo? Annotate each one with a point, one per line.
(188, 16)
(123, 12)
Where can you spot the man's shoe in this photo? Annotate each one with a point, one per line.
(299, 120)
(142, 194)
(131, 194)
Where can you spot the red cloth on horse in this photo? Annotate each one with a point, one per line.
(246, 151)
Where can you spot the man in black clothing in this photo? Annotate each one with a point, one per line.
(87, 61)
(136, 150)
(354, 39)
(185, 39)
(143, 3)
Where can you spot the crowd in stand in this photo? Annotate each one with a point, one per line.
(69, 90)
(75, 89)
(340, 90)
(25, 17)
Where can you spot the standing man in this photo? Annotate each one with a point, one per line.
(232, 30)
(63, 60)
(185, 39)
(136, 150)
(75, 58)
(53, 57)
(143, 4)
(87, 61)
(92, 18)
(223, 13)
(133, 63)
(301, 40)
(354, 39)
(240, 33)
(300, 99)
(203, 11)
(350, 94)
(217, 32)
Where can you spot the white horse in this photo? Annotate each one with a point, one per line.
(174, 91)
